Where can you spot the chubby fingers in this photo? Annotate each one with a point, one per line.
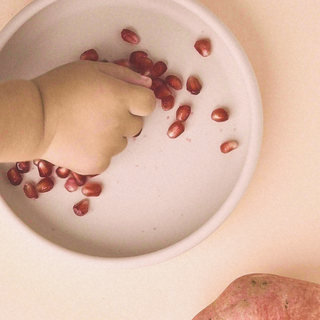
(132, 125)
(142, 100)
(124, 74)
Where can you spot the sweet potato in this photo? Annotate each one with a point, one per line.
(265, 297)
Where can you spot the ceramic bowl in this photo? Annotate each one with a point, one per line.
(161, 196)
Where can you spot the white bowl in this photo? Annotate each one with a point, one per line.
(161, 196)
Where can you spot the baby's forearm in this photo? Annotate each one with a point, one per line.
(21, 121)
(76, 116)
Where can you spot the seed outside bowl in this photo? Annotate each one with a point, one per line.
(137, 220)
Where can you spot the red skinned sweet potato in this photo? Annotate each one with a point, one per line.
(265, 297)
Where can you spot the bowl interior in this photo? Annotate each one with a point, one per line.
(159, 191)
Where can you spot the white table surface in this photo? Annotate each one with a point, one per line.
(274, 229)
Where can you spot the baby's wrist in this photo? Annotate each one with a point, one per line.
(22, 121)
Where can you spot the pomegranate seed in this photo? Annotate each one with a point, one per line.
(156, 83)
(174, 82)
(90, 54)
(167, 103)
(175, 129)
(44, 185)
(134, 56)
(62, 172)
(81, 208)
(81, 179)
(144, 65)
(14, 176)
(183, 113)
(158, 69)
(30, 191)
(162, 91)
(23, 167)
(228, 146)
(193, 85)
(71, 184)
(219, 115)
(130, 36)
(45, 168)
(123, 62)
(203, 46)
(91, 190)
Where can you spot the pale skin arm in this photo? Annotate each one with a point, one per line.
(21, 121)
(76, 116)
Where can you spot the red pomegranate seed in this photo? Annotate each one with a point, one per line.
(144, 65)
(158, 69)
(193, 85)
(81, 179)
(14, 176)
(23, 167)
(203, 46)
(219, 115)
(44, 185)
(162, 91)
(174, 82)
(30, 191)
(175, 130)
(228, 146)
(62, 172)
(71, 184)
(91, 190)
(134, 56)
(90, 54)
(45, 168)
(81, 208)
(183, 113)
(130, 36)
(167, 103)
(123, 62)
(156, 83)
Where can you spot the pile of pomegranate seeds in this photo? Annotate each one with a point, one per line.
(46, 182)
(140, 62)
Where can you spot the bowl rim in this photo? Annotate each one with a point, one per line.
(241, 185)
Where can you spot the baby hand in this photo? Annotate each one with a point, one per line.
(89, 110)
